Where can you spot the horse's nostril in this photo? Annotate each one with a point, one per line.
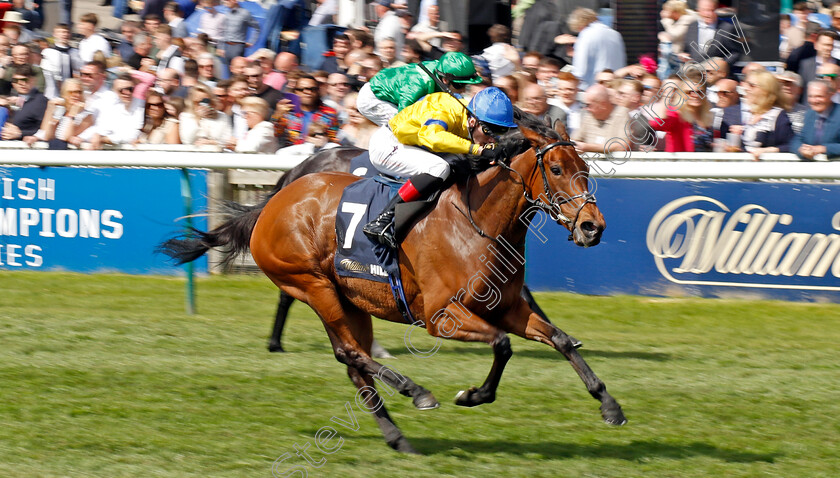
(590, 228)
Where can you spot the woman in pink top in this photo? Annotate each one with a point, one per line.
(687, 118)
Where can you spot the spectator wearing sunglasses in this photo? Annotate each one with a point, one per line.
(831, 73)
(65, 118)
(159, 127)
(27, 108)
(255, 74)
(728, 102)
(291, 126)
(123, 121)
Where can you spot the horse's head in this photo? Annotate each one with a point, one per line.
(557, 181)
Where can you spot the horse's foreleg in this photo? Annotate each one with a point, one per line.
(470, 328)
(524, 322)
(525, 293)
(374, 404)
(275, 342)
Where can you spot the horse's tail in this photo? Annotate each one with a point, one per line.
(233, 237)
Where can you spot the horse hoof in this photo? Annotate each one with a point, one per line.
(468, 398)
(613, 416)
(575, 342)
(275, 347)
(426, 402)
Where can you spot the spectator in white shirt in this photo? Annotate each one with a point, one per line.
(202, 124)
(212, 21)
(98, 98)
(123, 120)
(501, 55)
(92, 42)
(169, 54)
(59, 62)
(260, 136)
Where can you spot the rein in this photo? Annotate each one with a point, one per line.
(552, 207)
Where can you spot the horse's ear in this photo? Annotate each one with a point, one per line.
(561, 129)
(537, 140)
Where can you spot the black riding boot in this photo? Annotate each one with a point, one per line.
(381, 229)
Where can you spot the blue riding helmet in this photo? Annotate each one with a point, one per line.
(492, 106)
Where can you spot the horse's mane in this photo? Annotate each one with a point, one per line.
(514, 142)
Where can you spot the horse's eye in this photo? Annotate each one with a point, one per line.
(556, 170)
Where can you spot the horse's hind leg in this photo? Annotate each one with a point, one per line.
(274, 343)
(525, 293)
(351, 333)
(525, 323)
(374, 404)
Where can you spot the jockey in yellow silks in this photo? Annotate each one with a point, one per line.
(438, 123)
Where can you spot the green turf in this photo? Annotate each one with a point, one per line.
(106, 376)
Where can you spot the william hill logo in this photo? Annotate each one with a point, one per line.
(698, 240)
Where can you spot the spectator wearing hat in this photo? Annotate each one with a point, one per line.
(92, 41)
(821, 131)
(791, 90)
(15, 28)
(27, 107)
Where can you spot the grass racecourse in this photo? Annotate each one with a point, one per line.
(106, 376)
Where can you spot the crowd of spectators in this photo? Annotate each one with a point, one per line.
(164, 83)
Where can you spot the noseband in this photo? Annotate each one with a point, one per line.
(552, 207)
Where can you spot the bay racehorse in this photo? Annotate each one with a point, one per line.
(292, 239)
(338, 160)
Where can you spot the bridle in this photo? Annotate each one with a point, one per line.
(552, 207)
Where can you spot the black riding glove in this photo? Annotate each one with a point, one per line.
(484, 159)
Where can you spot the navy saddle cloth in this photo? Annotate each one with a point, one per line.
(356, 255)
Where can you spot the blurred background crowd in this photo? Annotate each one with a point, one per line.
(282, 76)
